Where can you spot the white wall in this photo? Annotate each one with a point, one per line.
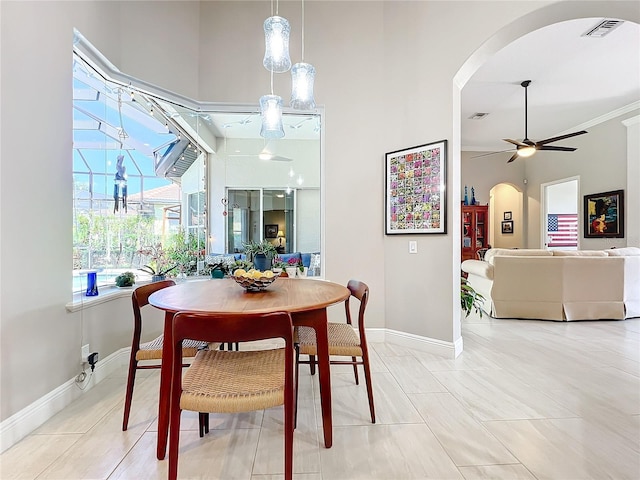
(601, 164)
(389, 86)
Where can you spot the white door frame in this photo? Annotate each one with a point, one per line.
(543, 207)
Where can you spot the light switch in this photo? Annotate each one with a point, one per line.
(413, 246)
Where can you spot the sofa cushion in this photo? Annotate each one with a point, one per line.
(579, 253)
(624, 252)
(526, 252)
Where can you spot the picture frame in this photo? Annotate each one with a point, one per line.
(415, 190)
(270, 231)
(507, 227)
(604, 215)
(507, 216)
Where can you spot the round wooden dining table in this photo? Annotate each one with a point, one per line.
(306, 299)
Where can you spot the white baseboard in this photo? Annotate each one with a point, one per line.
(424, 344)
(22, 423)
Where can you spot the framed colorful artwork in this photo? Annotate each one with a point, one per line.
(415, 190)
(604, 215)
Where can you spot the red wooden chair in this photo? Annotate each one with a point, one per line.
(221, 381)
(150, 350)
(343, 341)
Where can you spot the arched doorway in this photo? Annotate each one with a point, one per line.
(547, 15)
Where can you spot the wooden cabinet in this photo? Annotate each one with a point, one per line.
(475, 230)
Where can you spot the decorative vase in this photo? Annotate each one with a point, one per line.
(92, 284)
(303, 272)
(158, 278)
(217, 273)
(261, 262)
(291, 271)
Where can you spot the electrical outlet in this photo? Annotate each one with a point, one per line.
(85, 352)
(413, 246)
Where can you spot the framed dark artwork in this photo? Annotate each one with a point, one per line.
(415, 190)
(507, 215)
(604, 215)
(507, 226)
(270, 231)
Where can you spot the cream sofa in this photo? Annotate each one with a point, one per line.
(558, 285)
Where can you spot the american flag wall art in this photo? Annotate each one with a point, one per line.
(562, 230)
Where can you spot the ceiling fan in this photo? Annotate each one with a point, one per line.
(526, 147)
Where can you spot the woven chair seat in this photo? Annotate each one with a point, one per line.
(243, 381)
(153, 350)
(343, 340)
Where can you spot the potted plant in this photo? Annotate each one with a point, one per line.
(158, 265)
(279, 266)
(126, 279)
(221, 266)
(260, 253)
(294, 264)
(470, 299)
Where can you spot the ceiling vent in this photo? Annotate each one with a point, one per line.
(478, 116)
(603, 28)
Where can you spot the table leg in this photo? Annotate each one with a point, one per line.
(317, 320)
(164, 398)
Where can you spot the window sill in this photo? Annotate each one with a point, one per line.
(108, 293)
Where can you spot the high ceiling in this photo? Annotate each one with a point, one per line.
(574, 80)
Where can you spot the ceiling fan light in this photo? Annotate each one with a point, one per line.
(526, 151)
(276, 41)
(302, 78)
(271, 113)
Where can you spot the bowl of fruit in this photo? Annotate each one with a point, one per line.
(254, 280)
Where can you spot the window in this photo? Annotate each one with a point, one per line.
(153, 168)
(122, 201)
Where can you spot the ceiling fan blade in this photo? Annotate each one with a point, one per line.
(551, 148)
(513, 157)
(515, 142)
(561, 137)
(490, 153)
(278, 158)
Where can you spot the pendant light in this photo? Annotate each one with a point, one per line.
(276, 59)
(302, 78)
(271, 114)
(276, 42)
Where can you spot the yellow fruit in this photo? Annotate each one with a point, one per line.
(257, 274)
(239, 272)
(268, 274)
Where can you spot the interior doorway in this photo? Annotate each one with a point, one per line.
(560, 214)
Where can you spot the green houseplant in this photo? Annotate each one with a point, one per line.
(260, 253)
(126, 279)
(470, 299)
(158, 265)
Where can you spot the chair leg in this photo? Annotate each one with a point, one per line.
(296, 384)
(174, 440)
(355, 369)
(367, 378)
(131, 379)
(312, 364)
(203, 420)
(290, 412)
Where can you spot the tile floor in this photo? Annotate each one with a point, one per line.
(525, 400)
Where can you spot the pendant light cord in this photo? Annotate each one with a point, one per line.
(302, 1)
